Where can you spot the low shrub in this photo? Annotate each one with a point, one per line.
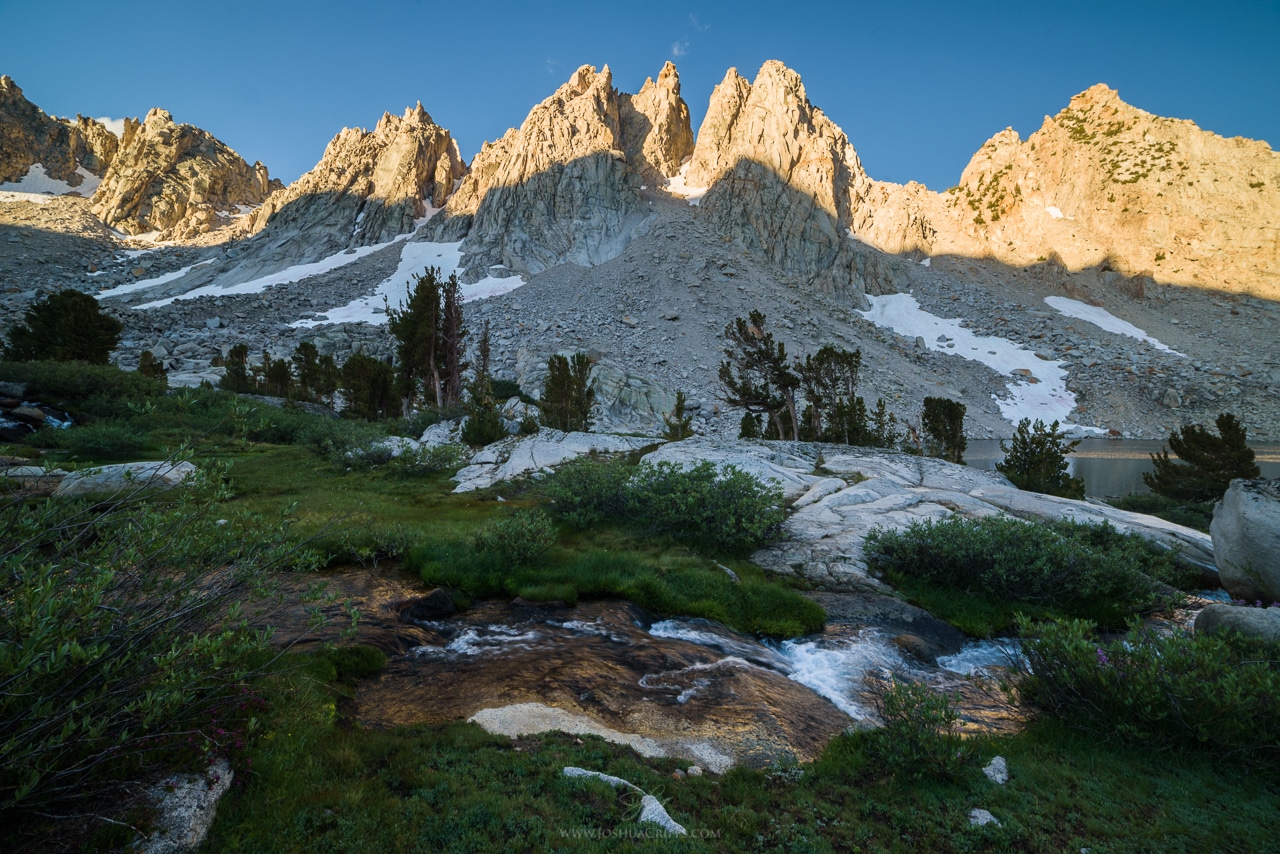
(516, 539)
(1218, 693)
(920, 736)
(359, 661)
(589, 490)
(84, 390)
(720, 510)
(338, 439)
(428, 460)
(103, 440)
(1192, 514)
(1066, 569)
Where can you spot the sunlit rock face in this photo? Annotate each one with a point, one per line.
(565, 186)
(781, 176)
(63, 147)
(369, 186)
(175, 179)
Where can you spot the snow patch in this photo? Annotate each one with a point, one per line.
(1053, 212)
(414, 258)
(1046, 399)
(121, 290)
(928, 262)
(37, 186)
(677, 186)
(1105, 320)
(286, 276)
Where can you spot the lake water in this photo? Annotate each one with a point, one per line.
(1112, 467)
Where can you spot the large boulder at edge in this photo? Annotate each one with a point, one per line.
(1246, 539)
(1261, 623)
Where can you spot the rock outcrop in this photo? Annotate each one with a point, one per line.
(564, 187)
(63, 147)
(655, 126)
(175, 179)
(1246, 540)
(1101, 185)
(1263, 623)
(369, 186)
(782, 178)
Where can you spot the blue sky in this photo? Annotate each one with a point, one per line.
(918, 87)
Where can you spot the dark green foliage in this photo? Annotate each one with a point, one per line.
(1066, 568)
(1036, 460)
(567, 396)
(750, 427)
(943, 425)
(504, 390)
(103, 440)
(340, 440)
(884, 432)
(517, 539)
(724, 511)
(921, 733)
(369, 386)
(429, 339)
(67, 326)
(1189, 513)
(86, 391)
(1207, 463)
(277, 379)
(428, 460)
(1167, 690)
(121, 646)
(484, 421)
(237, 377)
(588, 490)
(315, 377)
(830, 382)
(679, 426)
(150, 366)
(757, 377)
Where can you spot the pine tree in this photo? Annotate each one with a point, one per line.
(1036, 460)
(679, 425)
(830, 381)
(430, 340)
(484, 421)
(943, 423)
(757, 377)
(306, 364)
(67, 326)
(277, 379)
(1208, 463)
(369, 387)
(237, 377)
(750, 426)
(567, 396)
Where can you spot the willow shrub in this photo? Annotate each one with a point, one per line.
(1178, 690)
(1066, 569)
(123, 645)
(720, 510)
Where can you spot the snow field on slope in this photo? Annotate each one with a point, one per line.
(414, 258)
(1105, 320)
(36, 186)
(1047, 400)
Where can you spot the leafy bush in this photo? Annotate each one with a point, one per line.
(414, 425)
(84, 390)
(428, 460)
(517, 539)
(359, 661)
(122, 645)
(338, 439)
(1219, 693)
(1036, 460)
(719, 510)
(724, 510)
(103, 440)
(1188, 513)
(67, 326)
(1067, 568)
(589, 489)
(920, 736)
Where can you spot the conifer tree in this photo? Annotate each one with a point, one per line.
(369, 387)
(430, 340)
(757, 377)
(567, 396)
(943, 425)
(679, 425)
(150, 366)
(1206, 463)
(484, 421)
(306, 365)
(67, 326)
(237, 377)
(1036, 460)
